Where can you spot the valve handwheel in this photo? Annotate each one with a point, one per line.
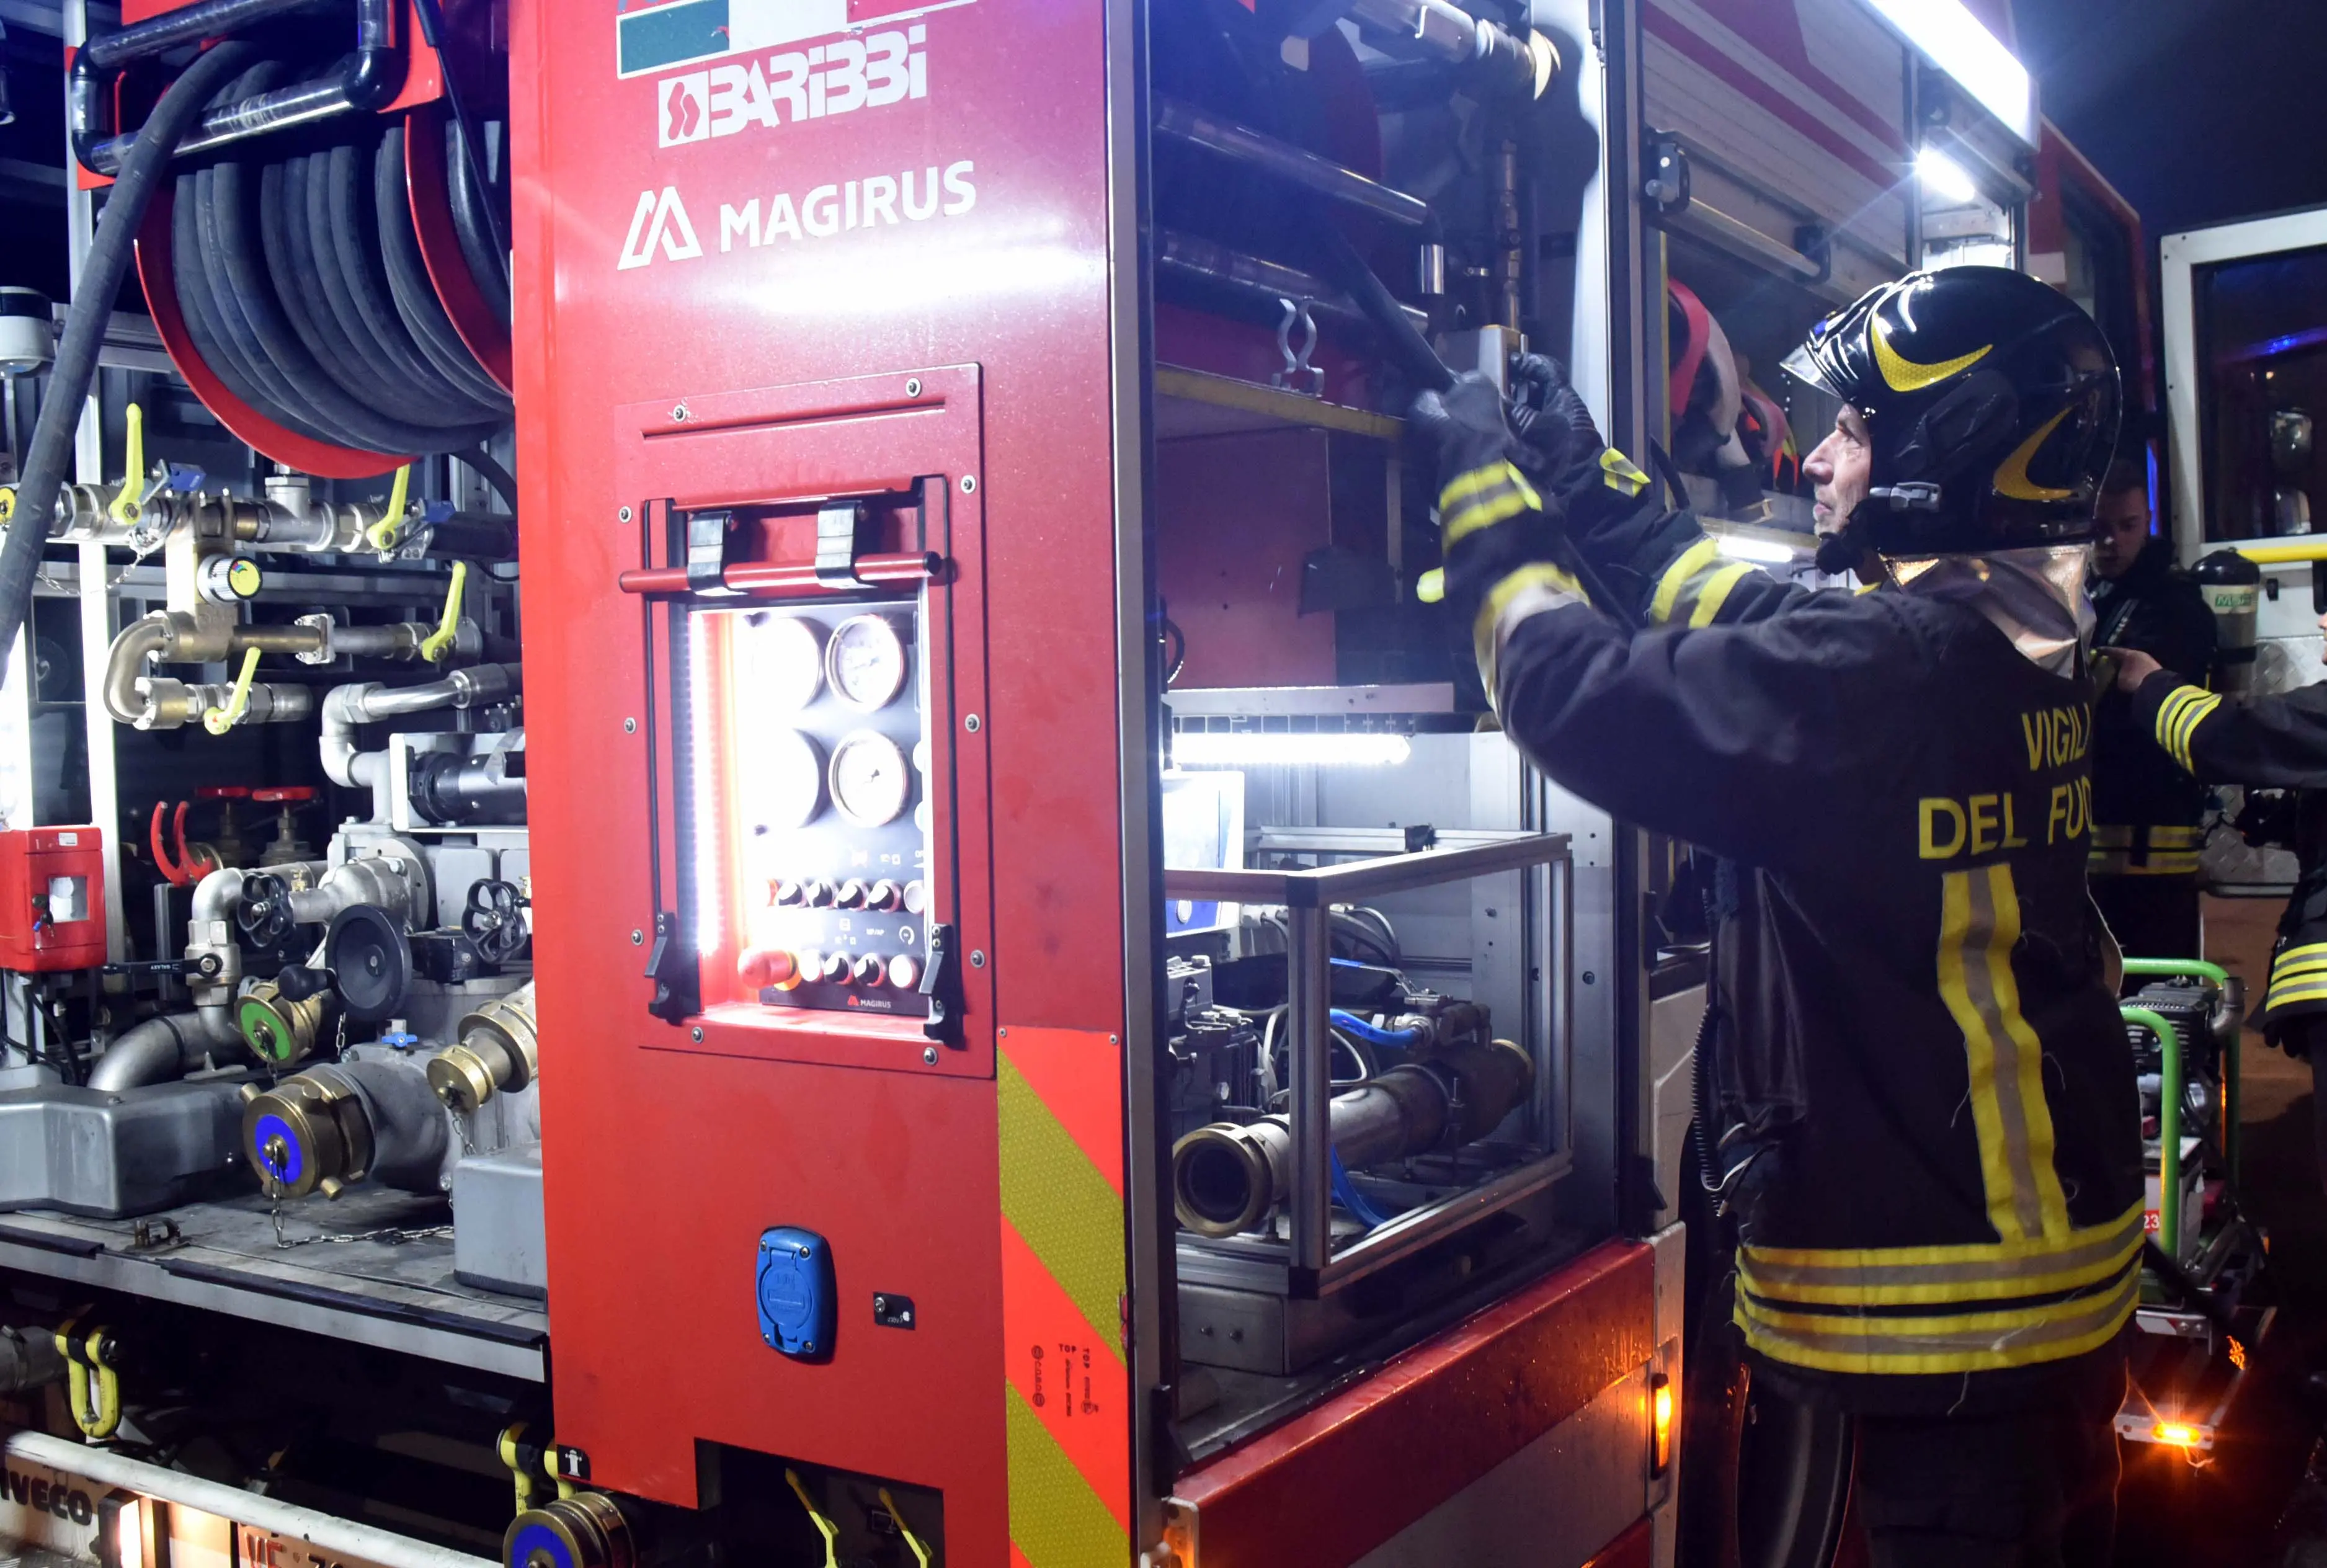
(495, 921)
(291, 795)
(264, 915)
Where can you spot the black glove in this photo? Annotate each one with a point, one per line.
(1573, 463)
(1492, 517)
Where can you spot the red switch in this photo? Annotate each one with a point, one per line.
(765, 967)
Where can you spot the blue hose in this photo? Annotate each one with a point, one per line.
(1352, 1202)
(1372, 1034)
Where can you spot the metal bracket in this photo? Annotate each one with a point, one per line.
(1297, 367)
(839, 540)
(706, 551)
(677, 993)
(941, 984)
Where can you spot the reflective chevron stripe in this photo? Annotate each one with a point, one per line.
(1068, 1386)
(1942, 1342)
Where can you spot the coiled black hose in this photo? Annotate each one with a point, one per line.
(107, 267)
(304, 288)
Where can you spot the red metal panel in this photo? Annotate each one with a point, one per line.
(1635, 1548)
(1395, 1446)
(1237, 515)
(964, 227)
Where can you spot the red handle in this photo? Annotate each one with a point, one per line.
(764, 581)
(223, 792)
(284, 792)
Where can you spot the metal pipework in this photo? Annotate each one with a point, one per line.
(498, 1050)
(210, 634)
(287, 520)
(394, 882)
(364, 80)
(1507, 62)
(368, 703)
(1184, 121)
(1228, 1178)
(1267, 284)
(210, 945)
(165, 1048)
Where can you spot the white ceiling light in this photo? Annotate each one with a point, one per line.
(1957, 43)
(1265, 749)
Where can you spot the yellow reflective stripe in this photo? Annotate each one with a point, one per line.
(1537, 587)
(1468, 484)
(1496, 506)
(2006, 1253)
(2307, 991)
(2185, 729)
(1880, 1277)
(2178, 716)
(1056, 1520)
(2172, 835)
(1716, 592)
(1979, 925)
(2306, 951)
(2112, 835)
(1692, 561)
(1617, 472)
(2297, 970)
(1970, 1343)
(2170, 711)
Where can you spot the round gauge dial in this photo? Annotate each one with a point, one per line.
(785, 666)
(869, 779)
(865, 662)
(792, 782)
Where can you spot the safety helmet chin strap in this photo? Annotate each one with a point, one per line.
(1839, 551)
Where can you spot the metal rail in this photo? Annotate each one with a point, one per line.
(326, 1533)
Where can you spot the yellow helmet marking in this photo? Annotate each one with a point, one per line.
(2012, 474)
(1906, 376)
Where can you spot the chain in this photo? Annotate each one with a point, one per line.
(389, 1235)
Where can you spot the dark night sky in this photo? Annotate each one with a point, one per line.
(2197, 110)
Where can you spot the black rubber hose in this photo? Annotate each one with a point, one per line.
(104, 271)
(233, 317)
(282, 190)
(198, 306)
(349, 234)
(489, 469)
(253, 290)
(472, 224)
(475, 536)
(306, 220)
(409, 281)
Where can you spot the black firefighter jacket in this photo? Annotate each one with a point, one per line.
(1920, 1060)
(2147, 810)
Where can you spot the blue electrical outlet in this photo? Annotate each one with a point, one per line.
(794, 1291)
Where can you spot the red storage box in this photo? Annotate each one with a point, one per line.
(52, 899)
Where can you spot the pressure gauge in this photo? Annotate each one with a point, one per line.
(865, 662)
(791, 784)
(786, 662)
(869, 777)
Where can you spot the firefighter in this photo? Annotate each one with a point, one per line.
(2271, 743)
(1926, 1129)
(2146, 810)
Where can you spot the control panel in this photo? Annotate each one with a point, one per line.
(814, 768)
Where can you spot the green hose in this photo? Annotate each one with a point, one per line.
(2169, 1128)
